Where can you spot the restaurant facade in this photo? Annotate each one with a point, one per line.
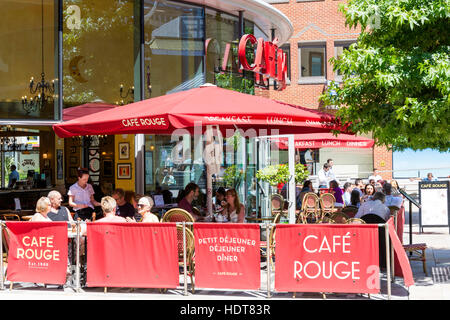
(61, 54)
(320, 34)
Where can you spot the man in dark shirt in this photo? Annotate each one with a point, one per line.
(124, 209)
(191, 193)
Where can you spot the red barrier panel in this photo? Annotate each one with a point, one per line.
(402, 266)
(37, 252)
(227, 256)
(133, 255)
(327, 258)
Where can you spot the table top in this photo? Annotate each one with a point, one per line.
(26, 218)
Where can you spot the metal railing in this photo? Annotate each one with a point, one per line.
(267, 226)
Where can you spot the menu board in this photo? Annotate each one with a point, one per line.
(434, 199)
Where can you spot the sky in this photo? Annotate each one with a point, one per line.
(419, 163)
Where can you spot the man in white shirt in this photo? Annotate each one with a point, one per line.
(330, 171)
(374, 206)
(375, 176)
(324, 178)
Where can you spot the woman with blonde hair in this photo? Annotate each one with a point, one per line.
(43, 207)
(234, 210)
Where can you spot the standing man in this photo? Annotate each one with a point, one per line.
(81, 196)
(309, 160)
(330, 171)
(375, 176)
(13, 176)
(124, 209)
(324, 178)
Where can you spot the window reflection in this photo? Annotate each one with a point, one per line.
(173, 34)
(98, 50)
(21, 56)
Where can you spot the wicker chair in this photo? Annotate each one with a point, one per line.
(190, 250)
(310, 209)
(278, 203)
(5, 243)
(417, 251)
(355, 221)
(178, 215)
(327, 201)
(263, 244)
(339, 217)
(350, 211)
(10, 217)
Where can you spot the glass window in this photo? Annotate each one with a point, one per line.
(222, 33)
(338, 50)
(98, 51)
(312, 62)
(287, 49)
(174, 47)
(27, 34)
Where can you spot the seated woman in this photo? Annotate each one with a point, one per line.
(369, 190)
(355, 200)
(234, 210)
(307, 187)
(337, 192)
(43, 207)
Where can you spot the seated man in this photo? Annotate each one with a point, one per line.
(124, 208)
(391, 200)
(58, 212)
(191, 193)
(109, 206)
(374, 206)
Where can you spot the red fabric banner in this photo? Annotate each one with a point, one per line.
(37, 252)
(402, 267)
(133, 255)
(327, 258)
(227, 256)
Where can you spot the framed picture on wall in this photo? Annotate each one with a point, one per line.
(124, 150)
(73, 160)
(73, 149)
(124, 171)
(73, 172)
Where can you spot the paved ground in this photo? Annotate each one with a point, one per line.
(435, 286)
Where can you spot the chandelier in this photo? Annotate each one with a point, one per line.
(130, 91)
(43, 88)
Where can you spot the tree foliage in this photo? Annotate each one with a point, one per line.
(396, 78)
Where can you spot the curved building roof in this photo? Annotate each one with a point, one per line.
(263, 14)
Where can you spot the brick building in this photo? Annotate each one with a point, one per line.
(320, 34)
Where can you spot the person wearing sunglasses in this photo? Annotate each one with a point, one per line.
(144, 206)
